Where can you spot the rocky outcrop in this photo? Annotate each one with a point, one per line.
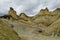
(6, 17)
(12, 13)
(44, 12)
(6, 32)
(46, 20)
(45, 17)
(25, 19)
(53, 29)
(23, 16)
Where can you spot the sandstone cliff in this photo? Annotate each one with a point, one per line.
(45, 22)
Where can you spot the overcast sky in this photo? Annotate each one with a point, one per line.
(30, 7)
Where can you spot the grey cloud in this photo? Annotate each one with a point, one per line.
(30, 7)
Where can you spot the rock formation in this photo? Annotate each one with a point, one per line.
(23, 16)
(45, 17)
(6, 32)
(12, 13)
(45, 22)
(54, 28)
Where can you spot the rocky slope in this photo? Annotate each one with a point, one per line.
(46, 17)
(43, 25)
(6, 32)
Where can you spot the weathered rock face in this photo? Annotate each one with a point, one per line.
(23, 17)
(12, 12)
(45, 17)
(44, 12)
(54, 28)
(7, 33)
(9, 17)
(48, 22)
(49, 19)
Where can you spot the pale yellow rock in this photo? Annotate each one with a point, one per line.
(12, 12)
(6, 32)
(23, 16)
(46, 20)
(53, 29)
(45, 17)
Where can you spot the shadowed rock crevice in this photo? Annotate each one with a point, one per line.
(6, 16)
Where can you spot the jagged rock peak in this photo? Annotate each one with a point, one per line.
(11, 8)
(46, 9)
(57, 9)
(23, 14)
(12, 12)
